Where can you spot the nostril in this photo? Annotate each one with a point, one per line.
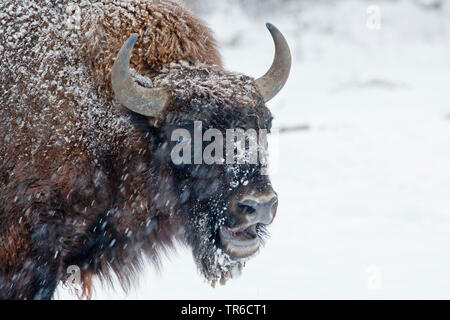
(245, 208)
(260, 209)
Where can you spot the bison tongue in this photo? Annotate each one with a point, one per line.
(247, 234)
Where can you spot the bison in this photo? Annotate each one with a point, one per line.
(90, 93)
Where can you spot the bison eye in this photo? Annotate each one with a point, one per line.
(243, 208)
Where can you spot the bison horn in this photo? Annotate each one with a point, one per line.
(273, 81)
(145, 101)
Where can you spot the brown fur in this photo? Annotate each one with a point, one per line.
(82, 180)
(167, 33)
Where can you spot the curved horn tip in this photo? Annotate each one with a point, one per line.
(271, 27)
(131, 41)
(145, 101)
(272, 82)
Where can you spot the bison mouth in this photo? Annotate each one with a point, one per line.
(240, 242)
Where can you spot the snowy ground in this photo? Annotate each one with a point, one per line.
(365, 192)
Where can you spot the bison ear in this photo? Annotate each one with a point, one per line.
(149, 102)
(273, 81)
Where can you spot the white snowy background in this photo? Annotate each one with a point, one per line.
(364, 209)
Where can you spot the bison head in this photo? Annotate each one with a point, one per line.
(224, 206)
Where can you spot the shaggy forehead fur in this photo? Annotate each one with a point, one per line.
(209, 84)
(213, 95)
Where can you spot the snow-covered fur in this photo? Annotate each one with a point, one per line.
(85, 182)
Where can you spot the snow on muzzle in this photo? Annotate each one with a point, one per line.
(243, 240)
